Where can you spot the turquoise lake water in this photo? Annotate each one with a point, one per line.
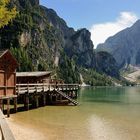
(104, 113)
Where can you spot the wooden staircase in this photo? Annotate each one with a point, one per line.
(67, 97)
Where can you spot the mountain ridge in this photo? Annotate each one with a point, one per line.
(126, 41)
(41, 40)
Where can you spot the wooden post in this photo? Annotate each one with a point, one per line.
(1, 104)
(44, 99)
(27, 102)
(55, 97)
(36, 101)
(49, 87)
(51, 97)
(27, 98)
(15, 104)
(8, 107)
(61, 87)
(76, 94)
(61, 98)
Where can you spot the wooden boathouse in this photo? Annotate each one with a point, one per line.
(31, 88)
(8, 65)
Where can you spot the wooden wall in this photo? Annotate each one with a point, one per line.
(7, 83)
(7, 75)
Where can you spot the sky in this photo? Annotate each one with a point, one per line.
(103, 18)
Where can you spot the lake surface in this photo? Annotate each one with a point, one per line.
(107, 113)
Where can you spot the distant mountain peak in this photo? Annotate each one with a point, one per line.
(124, 46)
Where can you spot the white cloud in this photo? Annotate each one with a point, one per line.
(100, 32)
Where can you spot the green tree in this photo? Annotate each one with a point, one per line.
(6, 13)
(68, 70)
(21, 55)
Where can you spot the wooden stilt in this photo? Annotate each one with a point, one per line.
(36, 101)
(44, 99)
(56, 97)
(1, 104)
(73, 94)
(51, 98)
(8, 107)
(61, 98)
(76, 94)
(15, 104)
(27, 102)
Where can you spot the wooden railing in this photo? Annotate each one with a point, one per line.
(6, 133)
(39, 87)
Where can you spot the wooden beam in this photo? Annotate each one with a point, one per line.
(51, 97)
(27, 102)
(8, 107)
(1, 104)
(44, 99)
(15, 104)
(61, 98)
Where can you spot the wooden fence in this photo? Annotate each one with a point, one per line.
(30, 88)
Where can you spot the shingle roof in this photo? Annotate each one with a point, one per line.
(32, 74)
(2, 52)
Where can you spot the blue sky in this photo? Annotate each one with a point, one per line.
(92, 14)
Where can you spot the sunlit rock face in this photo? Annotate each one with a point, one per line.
(124, 46)
(46, 36)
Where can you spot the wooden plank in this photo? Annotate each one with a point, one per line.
(10, 96)
(5, 130)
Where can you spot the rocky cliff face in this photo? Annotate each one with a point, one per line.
(105, 63)
(80, 47)
(76, 44)
(45, 36)
(124, 46)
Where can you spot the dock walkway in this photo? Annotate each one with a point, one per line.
(36, 93)
(60, 91)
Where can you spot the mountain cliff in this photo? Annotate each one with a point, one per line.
(41, 40)
(124, 46)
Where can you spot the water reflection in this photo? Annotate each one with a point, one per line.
(123, 95)
(106, 113)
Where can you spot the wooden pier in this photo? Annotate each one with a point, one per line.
(36, 92)
(44, 93)
(35, 95)
(47, 93)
